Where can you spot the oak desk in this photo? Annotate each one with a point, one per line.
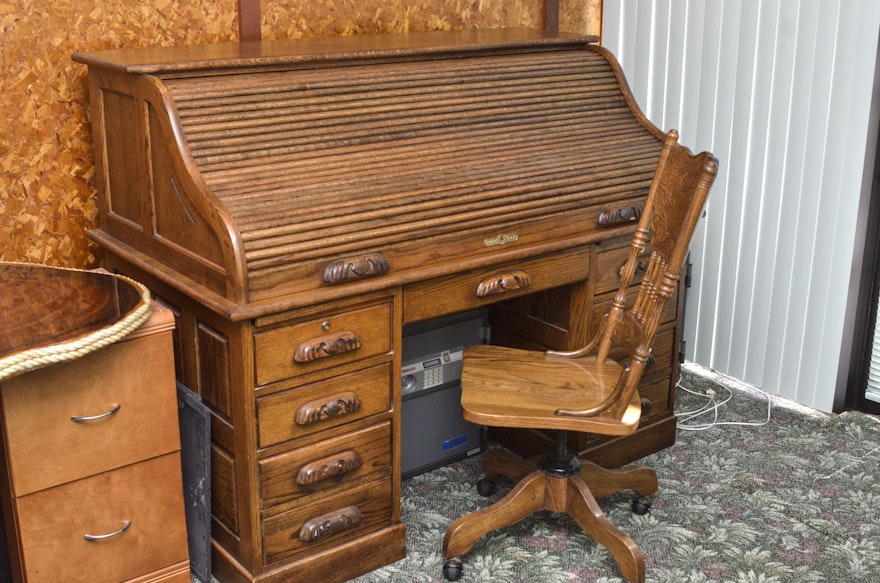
(296, 202)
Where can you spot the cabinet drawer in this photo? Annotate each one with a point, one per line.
(479, 287)
(148, 495)
(663, 351)
(46, 447)
(603, 306)
(325, 465)
(324, 342)
(657, 393)
(327, 522)
(325, 404)
(609, 265)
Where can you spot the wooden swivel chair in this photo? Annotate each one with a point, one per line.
(584, 390)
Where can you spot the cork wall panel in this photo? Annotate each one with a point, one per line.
(583, 16)
(47, 196)
(295, 19)
(47, 183)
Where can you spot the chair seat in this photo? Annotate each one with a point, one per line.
(509, 387)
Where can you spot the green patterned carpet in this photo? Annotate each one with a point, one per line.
(795, 499)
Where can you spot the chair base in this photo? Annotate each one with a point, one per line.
(575, 494)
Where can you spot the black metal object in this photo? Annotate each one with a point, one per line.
(195, 456)
(560, 464)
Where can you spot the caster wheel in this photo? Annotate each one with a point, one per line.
(641, 505)
(452, 569)
(486, 486)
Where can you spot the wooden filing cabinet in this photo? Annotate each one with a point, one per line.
(92, 485)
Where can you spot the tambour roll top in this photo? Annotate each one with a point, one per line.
(337, 162)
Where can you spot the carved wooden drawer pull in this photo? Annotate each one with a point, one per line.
(352, 268)
(329, 467)
(619, 216)
(330, 524)
(324, 346)
(334, 406)
(503, 283)
(641, 266)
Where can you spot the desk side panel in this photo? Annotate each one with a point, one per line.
(149, 194)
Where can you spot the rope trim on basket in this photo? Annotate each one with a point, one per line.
(42, 356)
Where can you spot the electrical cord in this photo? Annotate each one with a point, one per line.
(713, 405)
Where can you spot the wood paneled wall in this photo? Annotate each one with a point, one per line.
(47, 183)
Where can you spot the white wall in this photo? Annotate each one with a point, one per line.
(780, 92)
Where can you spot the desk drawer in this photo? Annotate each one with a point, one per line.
(471, 289)
(609, 267)
(328, 521)
(603, 306)
(321, 343)
(657, 392)
(53, 524)
(663, 351)
(325, 465)
(304, 410)
(132, 382)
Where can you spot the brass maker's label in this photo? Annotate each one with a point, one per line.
(500, 240)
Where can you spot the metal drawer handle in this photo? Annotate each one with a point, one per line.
(79, 419)
(500, 284)
(98, 537)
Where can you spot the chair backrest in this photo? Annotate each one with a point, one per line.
(669, 217)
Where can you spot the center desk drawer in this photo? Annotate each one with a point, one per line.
(321, 343)
(304, 410)
(463, 291)
(325, 465)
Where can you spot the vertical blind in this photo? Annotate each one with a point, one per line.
(873, 384)
(780, 92)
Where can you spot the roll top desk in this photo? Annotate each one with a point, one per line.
(297, 202)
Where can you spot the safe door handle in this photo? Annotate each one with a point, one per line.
(99, 537)
(86, 419)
